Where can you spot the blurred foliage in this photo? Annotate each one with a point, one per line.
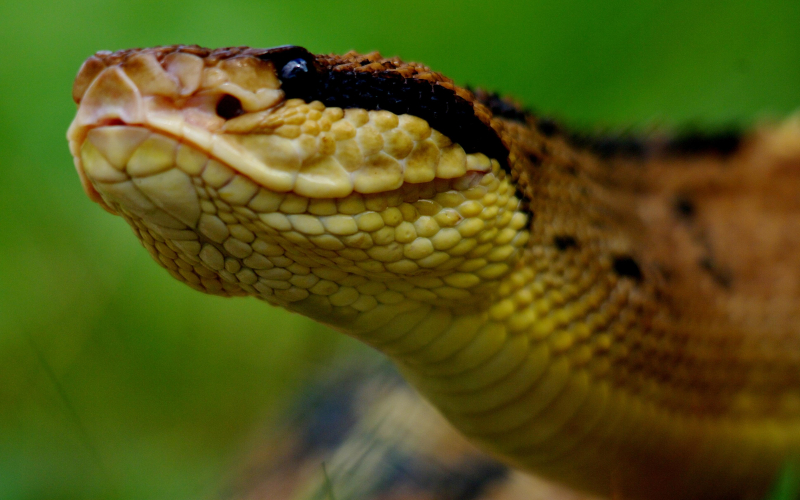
(787, 485)
(118, 382)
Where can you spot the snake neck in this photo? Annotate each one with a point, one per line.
(617, 315)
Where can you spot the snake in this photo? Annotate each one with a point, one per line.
(618, 314)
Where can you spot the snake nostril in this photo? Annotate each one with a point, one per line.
(108, 122)
(229, 107)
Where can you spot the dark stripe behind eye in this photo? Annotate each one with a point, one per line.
(441, 107)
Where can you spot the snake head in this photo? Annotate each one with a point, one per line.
(297, 178)
(184, 94)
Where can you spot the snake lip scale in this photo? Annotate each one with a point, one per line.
(620, 315)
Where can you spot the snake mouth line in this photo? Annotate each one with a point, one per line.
(114, 152)
(156, 162)
(306, 148)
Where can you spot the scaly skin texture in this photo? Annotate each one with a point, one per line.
(626, 323)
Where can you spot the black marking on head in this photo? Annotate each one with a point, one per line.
(442, 108)
(721, 276)
(684, 207)
(229, 107)
(625, 266)
(502, 108)
(445, 111)
(564, 242)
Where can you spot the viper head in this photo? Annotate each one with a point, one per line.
(326, 184)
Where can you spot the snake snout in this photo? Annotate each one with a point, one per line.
(143, 174)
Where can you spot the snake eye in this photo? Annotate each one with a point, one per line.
(294, 70)
(298, 77)
(229, 107)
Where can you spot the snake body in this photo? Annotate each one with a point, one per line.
(622, 317)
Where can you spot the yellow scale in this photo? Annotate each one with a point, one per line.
(383, 228)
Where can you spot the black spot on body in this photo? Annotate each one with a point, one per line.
(684, 207)
(535, 159)
(609, 145)
(626, 266)
(724, 142)
(229, 107)
(547, 127)
(620, 146)
(564, 242)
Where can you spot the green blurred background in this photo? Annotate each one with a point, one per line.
(118, 382)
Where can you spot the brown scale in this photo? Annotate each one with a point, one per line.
(680, 255)
(710, 322)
